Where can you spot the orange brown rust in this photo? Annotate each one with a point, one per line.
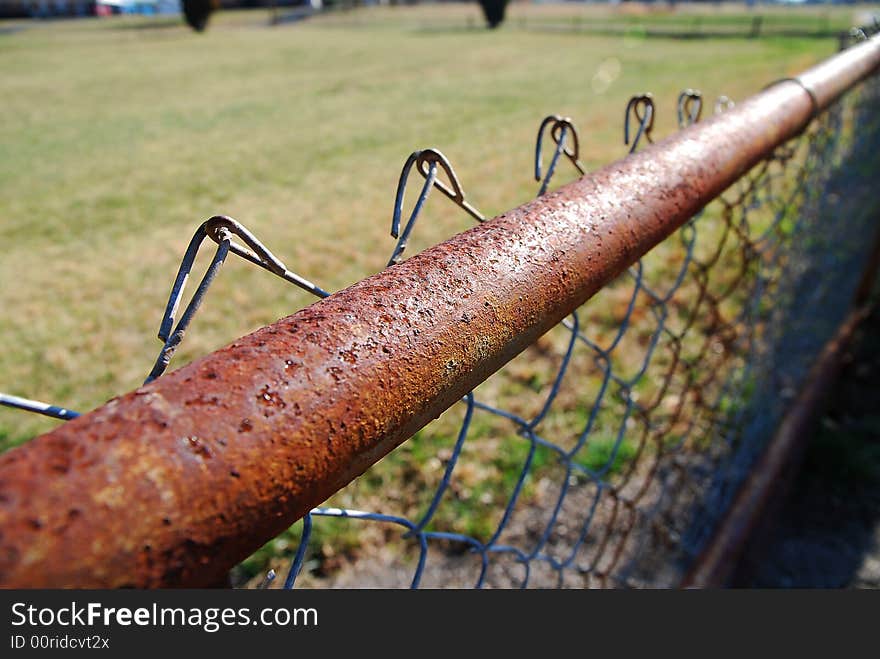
(174, 483)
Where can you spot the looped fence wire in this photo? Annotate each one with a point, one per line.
(642, 106)
(428, 162)
(724, 103)
(560, 129)
(690, 106)
(856, 34)
(221, 230)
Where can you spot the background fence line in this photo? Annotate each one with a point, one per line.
(176, 482)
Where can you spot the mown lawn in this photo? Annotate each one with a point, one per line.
(121, 136)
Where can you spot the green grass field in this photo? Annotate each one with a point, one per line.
(121, 136)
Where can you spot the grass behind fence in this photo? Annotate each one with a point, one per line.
(122, 136)
(119, 137)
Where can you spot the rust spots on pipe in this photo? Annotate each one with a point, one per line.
(174, 483)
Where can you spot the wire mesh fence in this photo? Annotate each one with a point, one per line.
(606, 452)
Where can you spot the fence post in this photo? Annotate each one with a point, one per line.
(756, 27)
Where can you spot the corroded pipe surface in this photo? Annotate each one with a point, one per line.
(174, 483)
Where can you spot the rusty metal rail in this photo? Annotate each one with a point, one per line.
(174, 483)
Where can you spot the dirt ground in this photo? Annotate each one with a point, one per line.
(827, 534)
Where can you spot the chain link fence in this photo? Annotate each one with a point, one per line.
(605, 454)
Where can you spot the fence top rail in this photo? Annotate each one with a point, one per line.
(174, 483)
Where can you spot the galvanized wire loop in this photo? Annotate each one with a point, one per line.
(723, 104)
(170, 334)
(221, 230)
(642, 106)
(853, 36)
(456, 194)
(690, 106)
(560, 129)
(428, 162)
(857, 34)
(221, 226)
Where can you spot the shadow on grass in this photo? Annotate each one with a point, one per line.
(685, 35)
(11, 29)
(151, 24)
(294, 16)
(828, 532)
